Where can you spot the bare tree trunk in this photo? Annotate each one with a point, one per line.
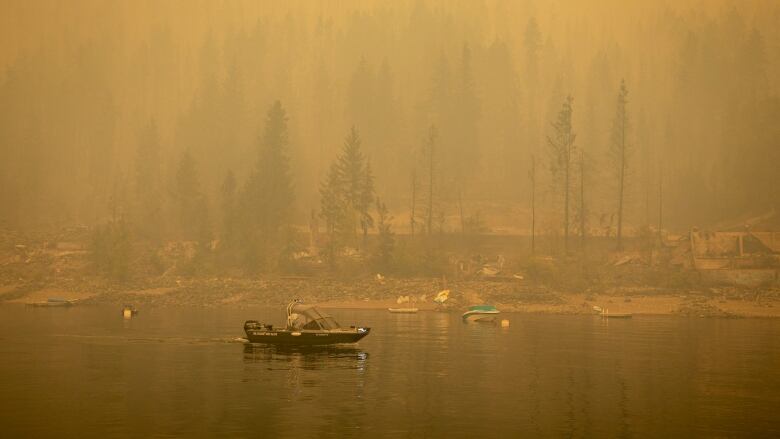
(533, 204)
(412, 218)
(431, 146)
(622, 180)
(582, 202)
(648, 180)
(566, 202)
(660, 198)
(460, 207)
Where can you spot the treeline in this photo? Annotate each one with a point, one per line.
(253, 229)
(146, 116)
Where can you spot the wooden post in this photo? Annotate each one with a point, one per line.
(741, 246)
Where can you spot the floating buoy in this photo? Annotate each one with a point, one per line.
(129, 311)
(505, 323)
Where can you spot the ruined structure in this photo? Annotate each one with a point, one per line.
(744, 258)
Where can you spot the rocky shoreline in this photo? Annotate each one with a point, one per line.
(370, 293)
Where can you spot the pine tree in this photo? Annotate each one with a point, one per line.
(357, 179)
(275, 190)
(365, 201)
(347, 192)
(562, 151)
(333, 203)
(620, 153)
(267, 198)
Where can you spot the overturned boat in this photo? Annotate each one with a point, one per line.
(480, 313)
(306, 326)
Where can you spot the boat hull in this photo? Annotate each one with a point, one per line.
(50, 304)
(617, 316)
(305, 338)
(480, 316)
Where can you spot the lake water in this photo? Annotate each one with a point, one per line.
(85, 371)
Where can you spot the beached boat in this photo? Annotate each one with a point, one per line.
(307, 326)
(481, 313)
(615, 315)
(54, 302)
(403, 310)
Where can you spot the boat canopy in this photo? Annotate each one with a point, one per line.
(309, 317)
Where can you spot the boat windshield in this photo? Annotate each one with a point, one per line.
(326, 323)
(309, 317)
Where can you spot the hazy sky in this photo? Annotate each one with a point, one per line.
(86, 76)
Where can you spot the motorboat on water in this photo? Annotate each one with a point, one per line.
(306, 326)
(480, 313)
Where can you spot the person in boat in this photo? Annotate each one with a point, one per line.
(306, 325)
(305, 317)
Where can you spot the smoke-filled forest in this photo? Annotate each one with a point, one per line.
(389, 218)
(271, 127)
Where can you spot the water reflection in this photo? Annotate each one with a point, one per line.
(306, 357)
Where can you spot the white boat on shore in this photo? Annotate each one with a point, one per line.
(480, 313)
(403, 310)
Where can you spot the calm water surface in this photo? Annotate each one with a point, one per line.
(85, 371)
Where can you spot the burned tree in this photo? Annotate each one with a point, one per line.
(582, 211)
(429, 153)
(620, 154)
(532, 176)
(562, 158)
(414, 187)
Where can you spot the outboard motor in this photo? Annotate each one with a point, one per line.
(255, 325)
(252, 324)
